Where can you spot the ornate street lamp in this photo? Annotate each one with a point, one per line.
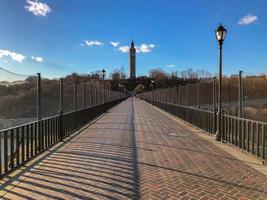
(152, 89)
(220, 35)
(103, 74)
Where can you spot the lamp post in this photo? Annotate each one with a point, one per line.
(103, 73)
(220, 35)
(152, 89)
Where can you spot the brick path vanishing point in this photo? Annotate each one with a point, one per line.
(136, 152)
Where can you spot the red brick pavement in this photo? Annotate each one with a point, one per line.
(137, 152)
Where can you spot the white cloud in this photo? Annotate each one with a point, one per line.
(38, 59)
(13, 55)
(37, 8)
(93, 43)
(124, 49)
(248, 19)
(114, 44)
(143, 48)
(170, 65)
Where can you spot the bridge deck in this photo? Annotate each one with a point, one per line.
(137, 152)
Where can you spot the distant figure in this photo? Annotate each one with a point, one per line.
(132, 61)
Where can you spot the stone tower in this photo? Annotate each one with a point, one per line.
(132, 61)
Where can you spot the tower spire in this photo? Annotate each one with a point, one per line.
(132, 61)
(132, 44)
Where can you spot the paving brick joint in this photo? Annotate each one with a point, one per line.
(136, 152)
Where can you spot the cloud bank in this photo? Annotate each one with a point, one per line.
(13, 55)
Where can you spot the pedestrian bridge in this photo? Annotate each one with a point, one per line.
(137, 151)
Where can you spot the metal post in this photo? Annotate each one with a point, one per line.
(187, 95)
(39, 97)
(173, 95)
(153, 93)
(39, 111)
(61, 103)
(84, 97)
(198, 106)
(240, 95)
(61, 110)
(219, 112)
(104, 91)
(96, 103)
(74, 96)
(179, 89)
(100, 96)
(214, 104)
(91, 95)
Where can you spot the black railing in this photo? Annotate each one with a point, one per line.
(248, 135)
(20, 144)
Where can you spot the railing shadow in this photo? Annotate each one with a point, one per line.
(93, 165)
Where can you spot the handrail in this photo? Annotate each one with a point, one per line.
(24, 142)
(248, 135)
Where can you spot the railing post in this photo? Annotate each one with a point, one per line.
(74, 96)
(263, 142)
(240, 110)
(61, 110)
(152, 92)
(173, 95)
(99, 96)
(187, 94)
(39, 111)
(214, 105)
(104, 91)
(96, 102)
(91, 95)
(179, 89)
(198, 106)
(84, 97)
(240, 95)
(39, 97)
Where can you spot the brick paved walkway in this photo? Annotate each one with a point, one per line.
(137, 152)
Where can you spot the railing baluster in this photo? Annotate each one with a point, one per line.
(11, 149)
(47, 133)
(263, 141)
(22, 144)
(236, 132)
(18, 145)
(51, 130)
(252, 138)
(27, 142)
(258, 139)
(32, 139)
(6, 151)
(232, 130)
(1, 153)
(243, 134)
(248, 135)
(36, 137)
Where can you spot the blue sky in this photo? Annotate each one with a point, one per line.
(57, 37)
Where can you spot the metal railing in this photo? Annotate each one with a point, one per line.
(20, 144)
(248, 135)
